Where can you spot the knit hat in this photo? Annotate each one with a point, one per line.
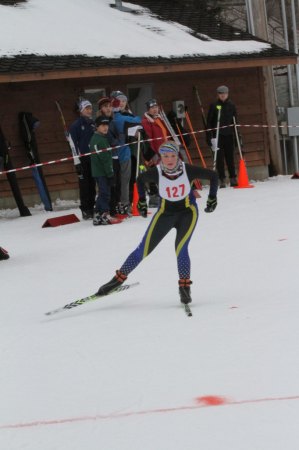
(222, 90)
(177, 170)
(119, 95)
(102, 120)
(169, 146)
(103, 101)
(84, 104)
(151, 102)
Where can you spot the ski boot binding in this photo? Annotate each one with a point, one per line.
(116, 281)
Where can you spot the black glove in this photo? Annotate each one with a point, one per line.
(79, 170)
(211, 204)
(142, 207)
(111, 181)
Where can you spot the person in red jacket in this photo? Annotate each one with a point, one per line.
(155, 129)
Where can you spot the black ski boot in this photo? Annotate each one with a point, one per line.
(185, 291)
(233, 182)
(3, 254)
(116, 281)
(222, 183)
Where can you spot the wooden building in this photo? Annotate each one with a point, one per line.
(33, 83)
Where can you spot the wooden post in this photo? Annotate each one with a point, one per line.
(261, 31)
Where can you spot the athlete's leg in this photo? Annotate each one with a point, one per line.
(185, 226)
(160, 225)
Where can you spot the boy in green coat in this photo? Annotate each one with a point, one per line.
(102, 171)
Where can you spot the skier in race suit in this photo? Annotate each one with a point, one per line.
(177, 209)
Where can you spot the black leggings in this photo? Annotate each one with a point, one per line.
(183, 221)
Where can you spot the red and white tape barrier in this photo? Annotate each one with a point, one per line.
(69, 158)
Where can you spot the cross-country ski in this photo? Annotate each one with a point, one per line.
(90, 298)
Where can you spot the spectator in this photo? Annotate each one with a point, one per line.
(156, 130)
(123, 120)
(81, 132)
(105, 109)
(225, 144)
(102, 171)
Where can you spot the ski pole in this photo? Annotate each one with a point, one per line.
(68, 136)
(138, 154)
(215, 147)
(237, 137)
(168, 126)
(195, 140)
(173, 134)
(183, 142)
(204, 120)
(196, 182)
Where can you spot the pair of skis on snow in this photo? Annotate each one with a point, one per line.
(93, 297)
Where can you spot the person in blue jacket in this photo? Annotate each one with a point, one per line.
(81, 132)
(123, 120)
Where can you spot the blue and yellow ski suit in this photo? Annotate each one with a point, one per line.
(177, 209)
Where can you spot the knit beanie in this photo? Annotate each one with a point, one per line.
(84, 104)
(222, 90)
(169, 146)
(119, 95)
(103, 101)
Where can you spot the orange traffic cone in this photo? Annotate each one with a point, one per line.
(135, 211)
(243, 181)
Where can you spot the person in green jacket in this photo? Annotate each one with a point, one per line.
(102, 171)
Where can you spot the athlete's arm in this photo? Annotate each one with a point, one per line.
(195, 172)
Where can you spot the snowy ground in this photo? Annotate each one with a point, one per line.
(132, 371)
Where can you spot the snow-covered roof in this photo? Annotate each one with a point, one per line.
(58, 36)
(94, 28)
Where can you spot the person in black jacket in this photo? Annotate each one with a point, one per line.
(177, 209)
(81, 132)
(226, 141)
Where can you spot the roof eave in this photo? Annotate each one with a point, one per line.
(152, 68)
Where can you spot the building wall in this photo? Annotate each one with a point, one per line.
(246, 90)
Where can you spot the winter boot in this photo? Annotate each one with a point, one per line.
(105, 219)
(184, 290)
(123, 210)
(116, 281)
(222, 183)
(233, 182)
(3, 254)
(86, 215)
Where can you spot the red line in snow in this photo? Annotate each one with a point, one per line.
(203, 402)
